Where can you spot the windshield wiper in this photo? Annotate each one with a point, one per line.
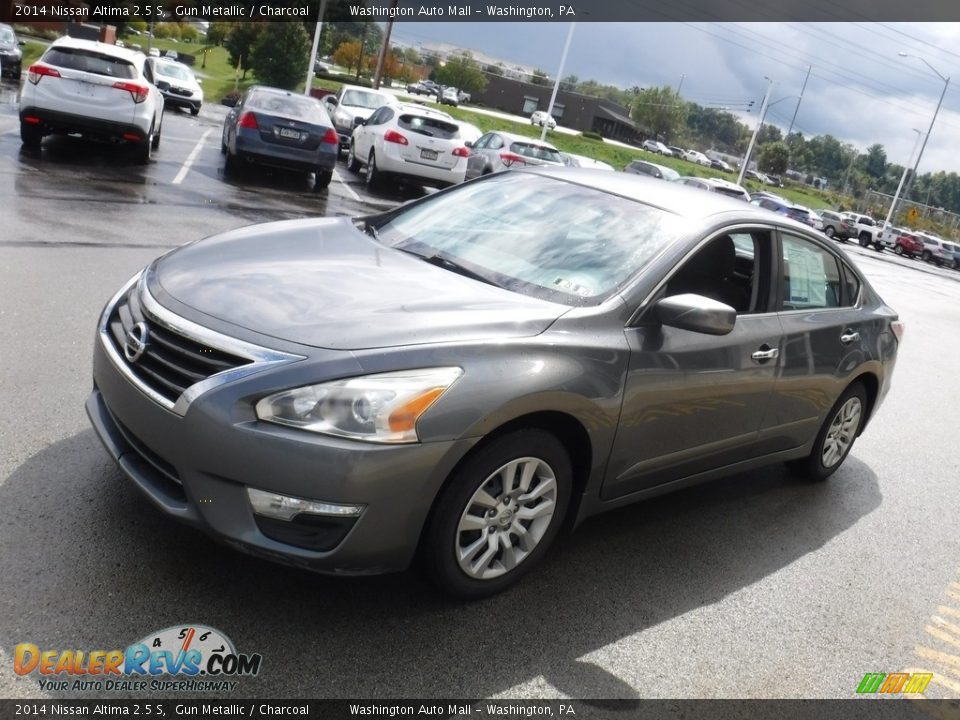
(452, 265)
(370, 229)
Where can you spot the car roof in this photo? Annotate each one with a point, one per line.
(424, 109)
(96, 46)
(513, 137)
(674, 197)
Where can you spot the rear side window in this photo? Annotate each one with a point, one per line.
(89, 61)
(539, 152)
(851, 286)
(432, 127)
(811, 276)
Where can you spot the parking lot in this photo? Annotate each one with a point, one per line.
(758, 585)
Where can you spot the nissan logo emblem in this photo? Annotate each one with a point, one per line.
(135, 342)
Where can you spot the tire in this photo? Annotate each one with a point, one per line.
(925, 256)
(470, 553)
(374, 176)
(230, 163)
(353, 165)
(878, 246)
(195, 110)
(144, 150)
(322, 179)
(830, 448)
(829, 231)
(155, 143)
(898, 249)
(30, 135)
(864, 239)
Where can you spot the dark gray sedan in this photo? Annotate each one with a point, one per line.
(281, 129)
(458, 379)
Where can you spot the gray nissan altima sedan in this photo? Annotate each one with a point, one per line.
(458, 379)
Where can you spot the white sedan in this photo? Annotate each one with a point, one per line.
(540, 117)
(697, 157)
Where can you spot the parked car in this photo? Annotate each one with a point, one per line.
(695, 156)
(810, 218)
(676, 151)
(642, 167)
(177, 83)
(781, 206)
(571, 160)
(540, 117)
(757, 176)
(424, 87)
(469, 132)
(408, 141)
(153, 52)
(906, 243)
(954, 249)
(462, 96)
(720, 165)
(655, 146)
(836, 225)
(450, 96)
(497, 151)
(935, 250)
(350, 106)
(542, 346)
(11, 56)
(717, 185)
(171, 55)
(279, 128)
(95, 89)
(774, 180)
(866, 229)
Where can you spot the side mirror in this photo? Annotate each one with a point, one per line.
(199, 81)
(468, 144)
(359, 121)
(22, 43)
(696, 313)
(331, 100)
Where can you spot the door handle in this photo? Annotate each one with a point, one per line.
(849, 337)
(768, 354)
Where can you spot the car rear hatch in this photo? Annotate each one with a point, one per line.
(91, 84)
(429, 140)
(524, 152)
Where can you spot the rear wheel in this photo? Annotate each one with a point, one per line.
(322, 179)
(30, 135)
(864, 239)
(498, 515)
(837, 435)
(156, 138)
(143, 151)
(898, 250)
(925, 256)
(353, 165)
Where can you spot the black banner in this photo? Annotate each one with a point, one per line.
(857, 709)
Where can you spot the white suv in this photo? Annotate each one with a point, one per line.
(91, 88)
(406, 140)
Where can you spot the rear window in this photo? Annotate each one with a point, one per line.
(295, 107)
(89, 61)
(730, 192)
(540, 152)
(432, 127)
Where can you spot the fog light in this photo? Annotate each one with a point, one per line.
(285, 507)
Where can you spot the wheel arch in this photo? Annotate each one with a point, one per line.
(871, 384)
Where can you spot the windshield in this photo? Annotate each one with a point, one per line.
(363, 99)
(174, 71)
(6, 35)
(536, 235)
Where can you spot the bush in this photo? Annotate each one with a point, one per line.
(591, 135)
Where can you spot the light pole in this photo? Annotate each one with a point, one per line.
(308, 86)
(753, 138)
(556, 84)
(906, 169)
(946, 84)
(763, 114)
(681, 84)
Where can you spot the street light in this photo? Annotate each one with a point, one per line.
(753, 138)
(556, 84)
(946, 84)
(903, 178)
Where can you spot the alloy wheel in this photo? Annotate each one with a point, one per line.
(842, 432)
(506, 518)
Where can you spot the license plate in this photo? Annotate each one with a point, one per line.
(86, 89)
(429, 154)
(288, 133)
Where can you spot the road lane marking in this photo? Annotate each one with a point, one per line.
(346, 187)
(191, 157)
(940, 635)
(947, 610)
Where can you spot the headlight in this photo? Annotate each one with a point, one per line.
(341, 118)
(381, 408)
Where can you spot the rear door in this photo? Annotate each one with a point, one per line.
(91, 84)
(825, 339)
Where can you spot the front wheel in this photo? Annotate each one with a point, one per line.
(864, 239)
(925, 256)
(837, 435)
(498, 515)
(829, 231)
(195, 110)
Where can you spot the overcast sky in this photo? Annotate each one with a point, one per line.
(859, 90)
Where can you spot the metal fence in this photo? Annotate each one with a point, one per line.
(874, 198)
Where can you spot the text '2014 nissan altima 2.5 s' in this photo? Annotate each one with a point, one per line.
(459, 379)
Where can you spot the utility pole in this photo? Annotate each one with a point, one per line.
(681, 84)
(556, 84)
(382, 58)
(906, 169)
(308, 86)
(756, 130)
(800, 100)
(846, 175)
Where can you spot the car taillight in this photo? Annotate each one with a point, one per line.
(248, 120)
(330, 136)
(898, 327)
(510, 159)
(461, 152)
(392, 136)
(139, 93)
(37, 72)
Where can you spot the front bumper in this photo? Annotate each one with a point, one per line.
(197, 468)
(171, 99)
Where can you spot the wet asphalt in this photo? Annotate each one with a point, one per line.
(759, 585)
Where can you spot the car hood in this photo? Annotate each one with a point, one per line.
(357, 112)
(324, 283)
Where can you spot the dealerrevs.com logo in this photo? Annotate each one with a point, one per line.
(203, 654)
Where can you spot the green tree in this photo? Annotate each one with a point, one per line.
(462, 72)
(281, 54)
(217, 32)
(494, 70)
(539, 77)
(189, 33)
(875, 161)
(769, 134)
(773, 158)
(239, 44)
(660, 111)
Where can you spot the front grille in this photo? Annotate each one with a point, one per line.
(171, 362)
